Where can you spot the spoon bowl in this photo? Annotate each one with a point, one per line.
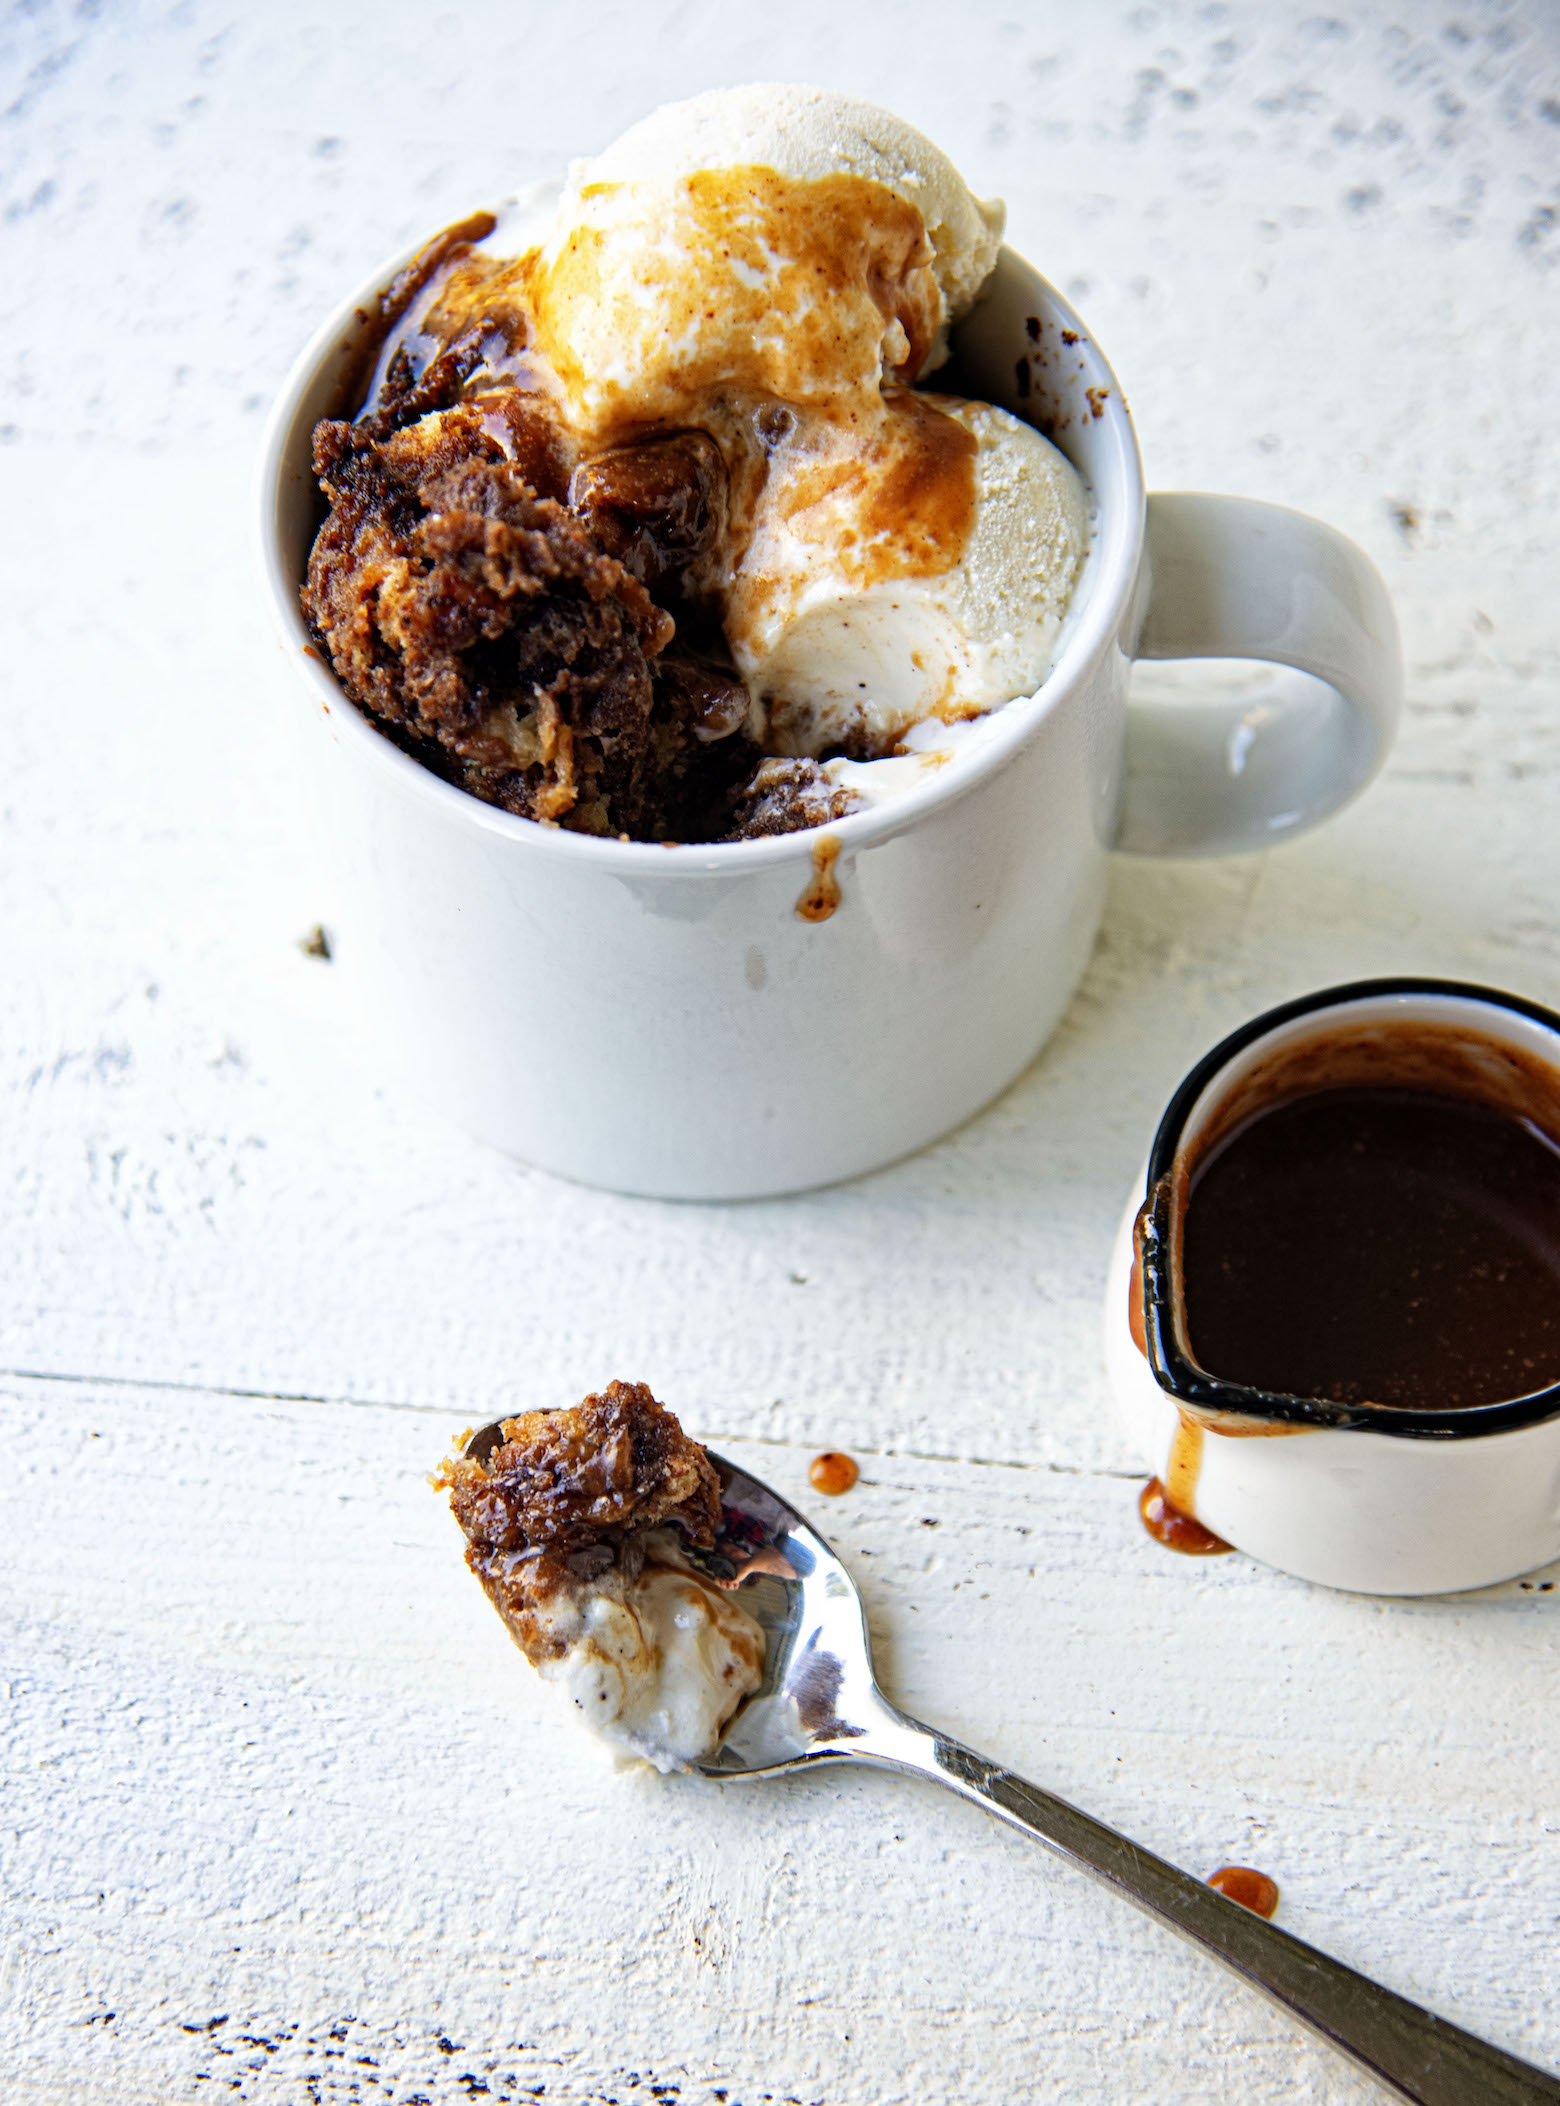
(818, 1684)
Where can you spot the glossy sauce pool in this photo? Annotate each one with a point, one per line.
(1375, 1243)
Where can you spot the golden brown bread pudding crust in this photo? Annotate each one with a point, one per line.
(570, 1494)
(506, 610)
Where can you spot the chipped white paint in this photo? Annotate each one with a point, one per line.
(277, 1796)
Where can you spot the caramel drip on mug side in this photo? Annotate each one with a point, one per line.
(1167, 1509)
(1184, 1466)
(822, 896)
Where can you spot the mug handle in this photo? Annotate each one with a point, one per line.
(1230, 578)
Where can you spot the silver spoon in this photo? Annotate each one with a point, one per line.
(820, 1703)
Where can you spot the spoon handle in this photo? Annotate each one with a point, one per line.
(1420, 2057)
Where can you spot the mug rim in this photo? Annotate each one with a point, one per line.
(1183, 1378)
(1115, 556)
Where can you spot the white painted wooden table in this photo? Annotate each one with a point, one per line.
(282, 1818)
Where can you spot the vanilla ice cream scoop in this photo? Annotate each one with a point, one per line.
(847, 620)
(758, 244)
(809, 135)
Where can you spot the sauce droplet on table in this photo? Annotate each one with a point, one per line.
(1177, 1531)
(832, 1472)
(1253, 1890)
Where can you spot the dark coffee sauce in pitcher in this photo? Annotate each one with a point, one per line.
(1379, 1244)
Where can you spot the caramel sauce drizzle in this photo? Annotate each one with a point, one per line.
(899, 503)
(822, 896)
(1175, 1529)
(833, 1472)
(740, 291)
(1246, 1886)
(738, 279)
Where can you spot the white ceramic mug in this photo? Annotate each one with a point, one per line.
(1381, 1499)
(664, 1020)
